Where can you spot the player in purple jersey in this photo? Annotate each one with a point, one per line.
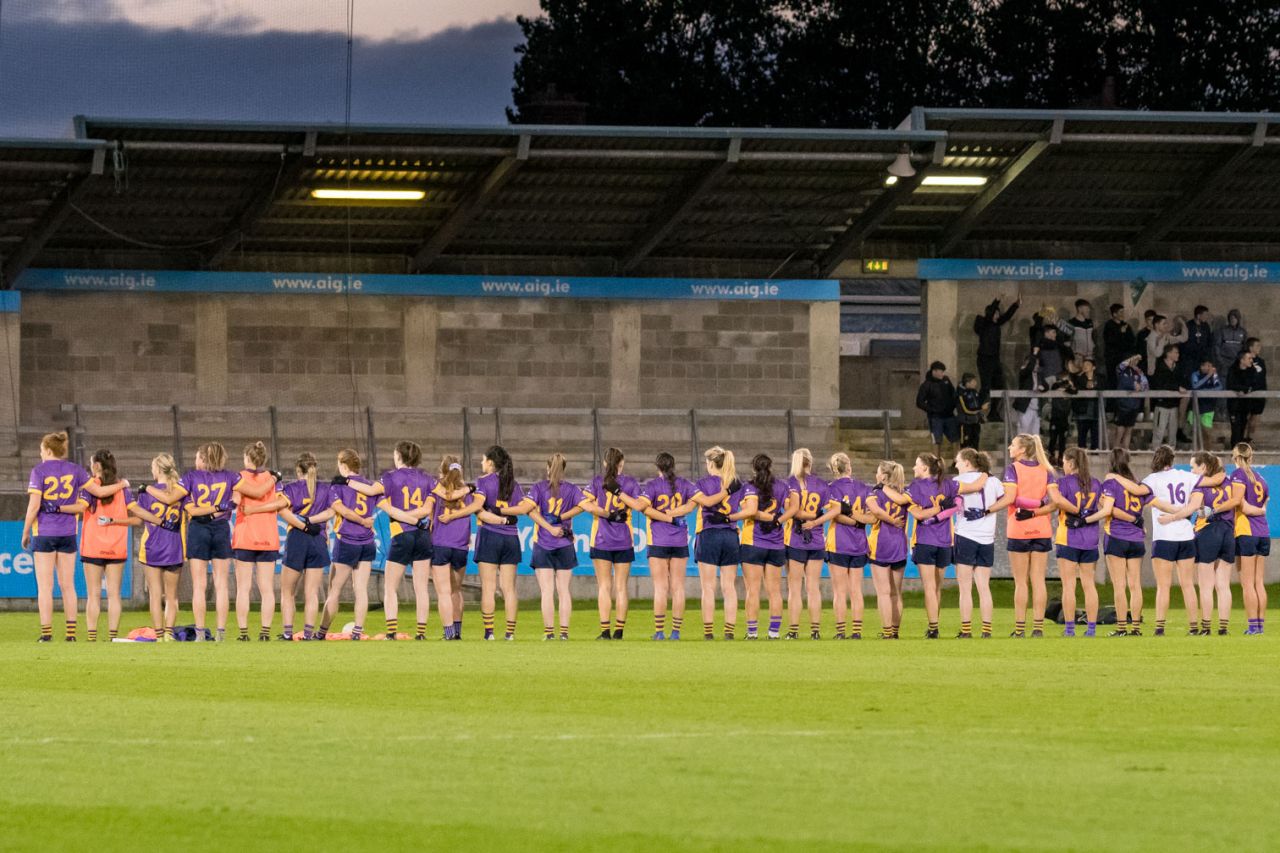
(49, 529)
(407, 499)
(160, 551)
(353, 557)
(933, 502)
(496, 501)
(552, 503)
(304, 505)
(887, 545)
(1253, 537)
(669, 543)
(762, 509)
(805, 542)
(205, 493)
(1212, 505)
(717, 547)
(450, 539)
(846, 544)
(1076, 494)
(1125, 545)
(613, 496)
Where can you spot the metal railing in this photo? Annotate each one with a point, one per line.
(468, 420)
(1193, 398)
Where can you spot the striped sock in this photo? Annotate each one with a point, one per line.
(487, 618)
(1160, 625)
(1020, 626)
(775, 624)
(308, 631)
(604, 626)
(794, 628)
(659, 622)
(357, 632)
(322, 633)
(1069, 630)
(393, 627)
(287, 629)
(729, 628)
(244, 633)
(886, 633)
(966, 627)
(753, 627)
(894, 629)
(620, 624)
(840, 628)
(71, 629)
(264, 632)
(814, 627)
(933, 626)
(708, 629)
(1223, 624)
(986, 628)
(457, 627)
(161, 633)
(856, 627)
(93, 634)
(222, 633)
(422, 629)
(549, 632)
(1037, 624)
(511, 627)
(46, 630)
(677, 622)
(1204, 624)
(112, 633)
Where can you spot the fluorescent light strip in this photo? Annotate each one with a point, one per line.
(954, 180)
(369, 195)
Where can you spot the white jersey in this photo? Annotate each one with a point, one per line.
(1172, 486)
(982, 531)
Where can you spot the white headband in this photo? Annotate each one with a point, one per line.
(454, 466)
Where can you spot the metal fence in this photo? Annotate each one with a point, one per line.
(586, 432)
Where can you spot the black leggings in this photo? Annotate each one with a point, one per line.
(1087, 429)
(1058, 430)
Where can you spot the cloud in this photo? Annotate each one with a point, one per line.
(80, 62)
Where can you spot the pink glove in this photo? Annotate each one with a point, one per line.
(1027, 503)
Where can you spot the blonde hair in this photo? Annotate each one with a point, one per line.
(256, 453)
(307, 465)
(350, 458)
(214, 456)
(801, 462)
(722, 460)
(451, 479)
(556, 465)
(168, 469)
(56, 443)
(840, 465)
(1242, 456)
(894, 476)
(1032, 448)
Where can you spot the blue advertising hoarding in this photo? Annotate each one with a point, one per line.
(17, 567)
(1192, 272)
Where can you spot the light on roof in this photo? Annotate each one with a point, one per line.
(891, 180)
(954, 180)
(901, 166)
(368, 195)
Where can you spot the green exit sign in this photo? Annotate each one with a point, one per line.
(878, 266)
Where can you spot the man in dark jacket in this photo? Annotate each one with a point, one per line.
(937, 399)
(990, 365)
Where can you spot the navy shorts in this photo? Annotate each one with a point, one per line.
(210, 541)
(846, 561)
(896, 565)
(976, 554)
(302, 552)
(668, 552)
(1125, 549)
(454, 558)
(354, 553)
(757, 556)
(1173, 551)
(53, 544)
(1030, 546)
(717, 546)
(249, 555)
(1253, 546)
(499, 549)
(564, 558)
(931, 555)
(1215, 541)
(107, 561)
(172, 568)
(1077, 555)
(804, 555)
(409, 547)
(609, 555)
(944, 427)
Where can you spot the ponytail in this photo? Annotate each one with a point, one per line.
(1033, 448)
(1080, 461)
(451, 478)
(107, 462)
(556, 466)
(501, 460)
(666, 465)
(801, 462)
(306, 466)
(840, 465)
(1120, 462)
(762, 465)
(612, 462)
(934, 466)
(168, 469)
(1242, 456)
(256, 453)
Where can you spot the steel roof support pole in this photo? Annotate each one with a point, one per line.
(850, 242)
(471, 206)
(49, 223)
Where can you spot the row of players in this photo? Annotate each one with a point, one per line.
(793, 525)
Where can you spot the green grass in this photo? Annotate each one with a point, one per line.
(1134, 744)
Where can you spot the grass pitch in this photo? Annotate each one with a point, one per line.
(1135, 744)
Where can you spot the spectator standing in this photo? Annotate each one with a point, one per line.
(1081, 323)
(1118, 341)
(1207, 378)
(1258, 382)
(1199, 343)
(1028, 408)
(971, 411)
(1060, 415)
(936, 397)
(1129, 377)
(1052, 354)
(1240, 379)
(1140, 339)
(1167, 377)
(1085, 407)
(990, 363)
(1162, 335)
(1229, 341)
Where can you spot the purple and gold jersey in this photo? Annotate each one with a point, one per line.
(710, 486)
(927, 494)
(159, 547)
(209, 488)
(1126, 531)
(488, 486)
(302, 503)
(887, 543)
(56, 481)
(406, 489)
(1214, 497)
(450, 534)
(551, 506)
(1256, 494)
(350, 531)
(812, 493)
(1085, 500)
(845, 538)
(752, 534)
(610, 535)
(665, 499)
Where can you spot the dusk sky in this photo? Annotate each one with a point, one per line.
(416, 61)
